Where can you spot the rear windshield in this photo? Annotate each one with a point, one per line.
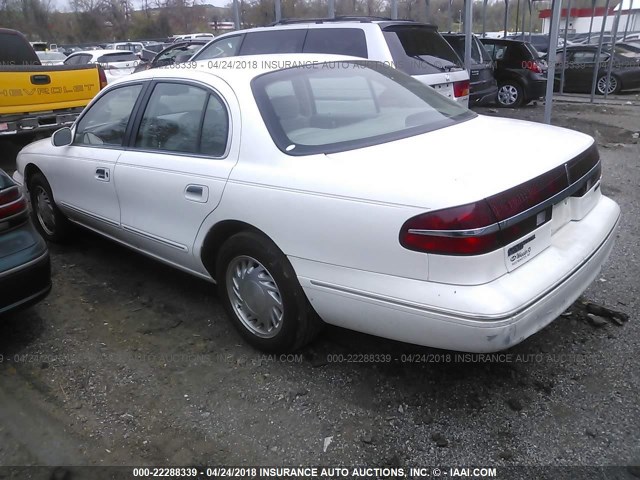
(419, 50)
(457, 42)
(627, 51)
(532, 50)
(15, 50)
(337, 106)
(117, 57)
(5, 181)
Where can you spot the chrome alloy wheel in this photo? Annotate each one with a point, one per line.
(508, 94)
(44, 210)
(254, 296)
(602, 85)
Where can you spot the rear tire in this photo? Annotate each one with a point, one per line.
(510, 94)
(614, 85)
(48, 219)
(261, 294)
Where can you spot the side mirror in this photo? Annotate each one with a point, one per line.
(62, 137)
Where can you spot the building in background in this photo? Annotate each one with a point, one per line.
(580, 18)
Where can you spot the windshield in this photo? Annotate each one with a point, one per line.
(337, 106)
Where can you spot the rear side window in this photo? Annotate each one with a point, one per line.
(15, 50)
(183, 119)
(501, 52)
(72, 60)
(483, 54)
(418, 50)
(339, 41)
(516, 52)
(117, 57)
(276, 41)
(77, 60)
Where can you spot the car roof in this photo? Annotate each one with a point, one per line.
(502, 40)
(100, 52)
(338, 22)
(247, 67)
(586, 47)
(455, 34)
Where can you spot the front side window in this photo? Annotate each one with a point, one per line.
(332, 107)
(224, 47)
(178, 54)
(106, 121)
(584, 57)
(183, 119)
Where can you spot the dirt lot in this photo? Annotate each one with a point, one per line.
(128, 362)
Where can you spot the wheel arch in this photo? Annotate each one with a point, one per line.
(29, 170)
(220, 233)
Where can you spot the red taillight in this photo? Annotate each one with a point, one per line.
(461, 89)
(12, 202)
(533, 66)
(465, 230)
(481, 227)
(529, 194)
(102, 77)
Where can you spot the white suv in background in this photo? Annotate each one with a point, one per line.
(116, 63)
(412, 47)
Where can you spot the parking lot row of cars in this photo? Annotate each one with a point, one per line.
(510, 72)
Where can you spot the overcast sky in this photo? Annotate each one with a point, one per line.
(63, 5)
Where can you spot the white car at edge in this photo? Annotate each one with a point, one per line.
(319, 188)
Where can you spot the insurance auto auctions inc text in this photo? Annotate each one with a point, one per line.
(374, 472)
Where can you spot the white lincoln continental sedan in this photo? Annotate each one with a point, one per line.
(316, 188)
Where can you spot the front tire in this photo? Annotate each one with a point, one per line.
(510, 94)
(48, 219)
(261, 294)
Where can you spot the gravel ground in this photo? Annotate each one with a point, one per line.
(128, 362)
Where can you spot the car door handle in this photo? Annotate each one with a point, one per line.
(196, 193)
(102, 174)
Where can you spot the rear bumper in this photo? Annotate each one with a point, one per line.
(483, 97)
(497, 315)
(38, 122)
(535, 89)
(26, 284)
(631, 80)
